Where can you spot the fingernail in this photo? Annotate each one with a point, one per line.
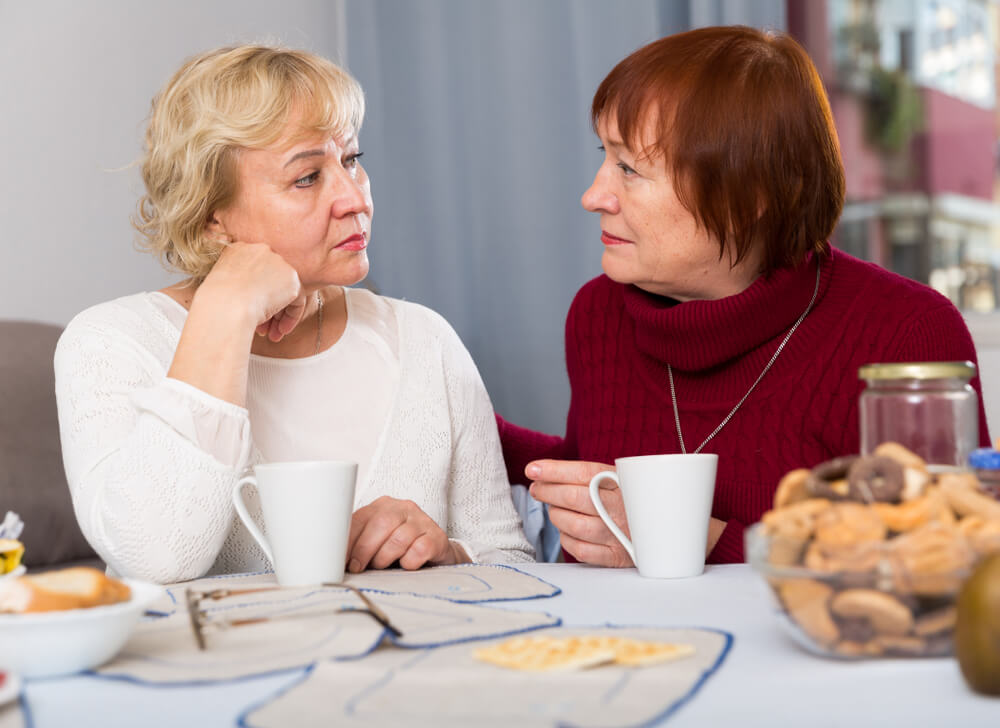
(354, 567)
(533, 471)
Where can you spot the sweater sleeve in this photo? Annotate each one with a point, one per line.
(481, 513)
(150, 461)
(521, 446)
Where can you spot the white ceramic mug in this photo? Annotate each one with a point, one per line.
(668, 503)
(307, 509)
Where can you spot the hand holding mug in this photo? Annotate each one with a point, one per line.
(668, 499)
(564, 486)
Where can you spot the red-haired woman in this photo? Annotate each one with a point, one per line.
(724, 322)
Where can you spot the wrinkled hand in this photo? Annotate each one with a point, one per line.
(388, 530)
(254, 276)
(565, 486)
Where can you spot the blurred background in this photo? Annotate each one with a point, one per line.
(478, 145)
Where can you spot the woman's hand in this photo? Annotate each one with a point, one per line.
(565, 486)
(258, 281)
(389, 530)
(250, 288)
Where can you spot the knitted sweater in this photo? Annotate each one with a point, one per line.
(148, 457)
(619, 340)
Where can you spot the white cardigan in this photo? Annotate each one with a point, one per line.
(152, 493)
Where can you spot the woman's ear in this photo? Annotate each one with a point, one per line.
(214, 227)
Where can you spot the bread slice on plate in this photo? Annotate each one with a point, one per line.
(75, 588)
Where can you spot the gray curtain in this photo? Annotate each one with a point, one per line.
(478, 144)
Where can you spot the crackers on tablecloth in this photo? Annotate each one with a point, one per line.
(563, 654)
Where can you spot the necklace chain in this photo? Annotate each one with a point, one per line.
(725, 421)
(319, 321)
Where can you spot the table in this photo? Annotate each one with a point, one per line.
(766, 680)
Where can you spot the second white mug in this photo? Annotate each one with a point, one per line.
(307, 509)
(668, 504)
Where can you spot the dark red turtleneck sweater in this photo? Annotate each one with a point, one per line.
(619, 340)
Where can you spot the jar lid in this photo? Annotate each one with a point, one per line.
(918, 370)
(985, 458)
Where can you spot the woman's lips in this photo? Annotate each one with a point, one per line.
(609, 239)
(355, 242)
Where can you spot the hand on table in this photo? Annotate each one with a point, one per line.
(389, 530)
(565, 486)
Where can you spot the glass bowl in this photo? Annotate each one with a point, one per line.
(887, 598)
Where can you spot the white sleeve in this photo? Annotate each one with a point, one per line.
(150, 461)
(481, 514)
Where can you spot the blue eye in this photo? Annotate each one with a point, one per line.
(626, 169)
(308, 181)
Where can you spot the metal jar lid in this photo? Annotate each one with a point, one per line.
(918, 370)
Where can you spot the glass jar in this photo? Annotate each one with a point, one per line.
(928, 407)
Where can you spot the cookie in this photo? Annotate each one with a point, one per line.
(806, 601)
(886, 614)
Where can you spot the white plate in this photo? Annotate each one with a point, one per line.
(10, 689)
(45, 644)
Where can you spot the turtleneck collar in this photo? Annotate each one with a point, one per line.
(698, 335)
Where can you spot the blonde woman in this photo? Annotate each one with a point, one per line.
(255, 193)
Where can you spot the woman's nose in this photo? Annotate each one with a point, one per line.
(350, 197)
(598, 198)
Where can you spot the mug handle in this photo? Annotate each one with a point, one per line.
(595, 486)
(244, 514)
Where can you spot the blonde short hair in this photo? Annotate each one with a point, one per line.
(218, 103)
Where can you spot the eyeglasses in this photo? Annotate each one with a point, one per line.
(200, 618)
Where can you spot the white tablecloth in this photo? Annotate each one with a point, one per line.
(766, 680)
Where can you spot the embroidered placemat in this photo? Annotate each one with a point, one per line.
(449, 687)
(468, 583)
(288, 628)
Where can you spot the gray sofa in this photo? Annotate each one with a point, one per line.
(32, 479)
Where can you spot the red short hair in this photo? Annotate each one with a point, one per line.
(744, 126)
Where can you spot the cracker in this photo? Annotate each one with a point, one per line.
(553, 654)
(636, 653)
(546, 654)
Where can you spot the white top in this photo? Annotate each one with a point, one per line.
(151, 461)
(365, 367)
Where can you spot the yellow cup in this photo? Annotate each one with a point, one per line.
(11, 552)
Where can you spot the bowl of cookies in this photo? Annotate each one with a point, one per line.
(864, 556)
(65, 621)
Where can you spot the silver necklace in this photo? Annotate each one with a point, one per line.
(319, 321)
(725, 421)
